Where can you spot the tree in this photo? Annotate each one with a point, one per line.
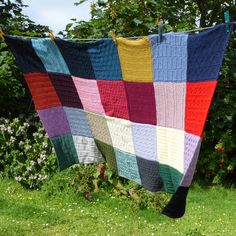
(14, 97)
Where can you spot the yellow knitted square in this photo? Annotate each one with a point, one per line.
(135, 59)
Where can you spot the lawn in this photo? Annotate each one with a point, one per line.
(210, 211)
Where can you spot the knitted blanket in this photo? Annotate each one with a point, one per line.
(139, 105)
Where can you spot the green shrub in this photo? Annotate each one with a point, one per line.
(25, 151)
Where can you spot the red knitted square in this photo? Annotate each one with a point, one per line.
(198, 101)
(141, 102)
(42, 90)
(113, 97)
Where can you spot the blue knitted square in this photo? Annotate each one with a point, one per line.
(206, 52)
(78, 122)
(127, 165)
(50, 55)
(105, 60)
(169, 58)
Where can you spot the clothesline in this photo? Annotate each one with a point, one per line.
(133, 37)
(136, 37)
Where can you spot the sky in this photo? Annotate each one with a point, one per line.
(56, 13)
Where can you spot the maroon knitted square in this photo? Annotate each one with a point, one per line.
(66, 90)
(141, 102)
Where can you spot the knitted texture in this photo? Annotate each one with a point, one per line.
(105, 60)
(136, 59)
(87, 150)
(50, 55)
(89, 94)
(140, 105)
(42, 90)
(169, 58)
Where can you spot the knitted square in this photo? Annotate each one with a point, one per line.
(170, 104)
(198, 100)
(141, 102)
(105, 60)
(54, 121)
(170, 151)
(121, 134)
(89, 94)
(50, 55)
(145, 141)
(150, 174)
(108, 154)
(192, 144)
(114, 99)
(170, 177)
(87, 150)
(169, 58)
(25, 55)
(135, 59)
(206, 52)
(66, 90)
(77, 58)
(99, 127)
(78, 122)
(42, 90)
(127, 165)
(65, 150)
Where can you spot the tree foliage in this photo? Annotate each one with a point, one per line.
(14, 97)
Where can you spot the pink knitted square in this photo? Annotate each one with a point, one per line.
(89, 94)
(170, 104)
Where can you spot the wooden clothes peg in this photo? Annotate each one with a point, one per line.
(2, 34)
(51, 35)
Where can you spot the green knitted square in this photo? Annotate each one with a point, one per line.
(108, 154)
(170, 177)
(65, 151)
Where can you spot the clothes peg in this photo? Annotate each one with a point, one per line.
(227, 20)
(160, 29)
(2, 34)
(113, 35)
(51, 35)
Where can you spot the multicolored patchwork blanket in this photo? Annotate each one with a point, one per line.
(139, 105)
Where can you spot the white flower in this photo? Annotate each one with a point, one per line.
(45, 145)
(9, 130)
(28, 147)
(12, 139)
(21, 143)
(32, 163)
(26, 124)
(18, 178)
(6, 121)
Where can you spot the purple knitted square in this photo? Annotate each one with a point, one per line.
(145, 141)
(192, 144)
(54, 121)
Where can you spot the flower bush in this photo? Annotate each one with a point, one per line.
(25, 151)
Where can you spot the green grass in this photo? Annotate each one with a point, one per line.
(209, 212)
